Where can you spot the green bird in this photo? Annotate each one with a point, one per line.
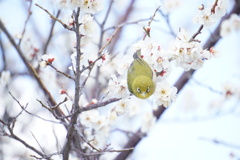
(141, 78)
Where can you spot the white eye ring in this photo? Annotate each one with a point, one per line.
(138, 90)
(148, 89)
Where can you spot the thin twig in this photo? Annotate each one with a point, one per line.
(91, 65)
(25, 24)
(66, 75)
(55, 18)
(52, 109)
(3, 54)
(102, 25)
(123, 19)
(89, 143)
(206, 86)
(196, 34)
(98, 105)
(11, 134)
(109, 41)
(51, 33)
(121, 150)
(38, 143)
(147, 32)
(32, 71)
(214, 6)
(166, 17)
(215, 141)
(24, 109)
(127, 23)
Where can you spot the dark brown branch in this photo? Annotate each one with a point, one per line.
(214, 6)
(196, 34)
(181, 82)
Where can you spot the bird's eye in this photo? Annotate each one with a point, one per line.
(148, 89)
(138, 90)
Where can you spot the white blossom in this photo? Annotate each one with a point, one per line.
(99, 122)
(105, 58)
(46, 58)
(89, 117)
(122, 106)
(112, 116)
(211, 14)
(133, 109)
(92, 6)
(171, 5)
(124, 64)
(230, 25)
(4, 78)
(221, 8)
(148, 121)
(85, 60)
(72, 4)
(87, 6)
(229, 89)
(88, 26)
(189, 54)
(164, 94)
(117, 88)
(205, 18)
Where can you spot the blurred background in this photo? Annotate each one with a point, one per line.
(203, 122)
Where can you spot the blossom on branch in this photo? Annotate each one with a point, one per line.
(88, 26)
(189, 54)
(211, 14)
(230, 25)
(46, 59)
(165, 94)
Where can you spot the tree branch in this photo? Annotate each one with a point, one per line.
(215, 141)
(25, 24)
(147, 32)
(32, 71)
(181, 82)
(98, 105)
(55, 18)
(70, 134)
(51, 33)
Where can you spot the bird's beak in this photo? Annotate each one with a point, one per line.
(144, 94)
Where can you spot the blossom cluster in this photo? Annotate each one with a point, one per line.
(88, 6)
(188, 53)
(95, 126)
(185, 52)
(210, 14)
(230, 25)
